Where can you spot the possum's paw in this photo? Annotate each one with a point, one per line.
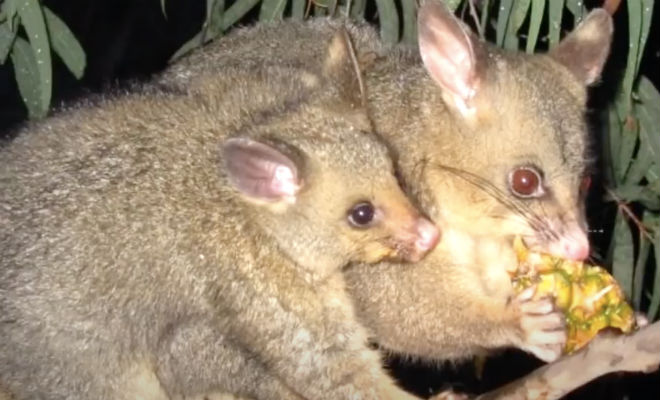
(542, 326)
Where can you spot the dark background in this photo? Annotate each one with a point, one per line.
(128, 40)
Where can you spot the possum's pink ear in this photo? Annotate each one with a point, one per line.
(259, 171)
(585, 50)
(448, 53)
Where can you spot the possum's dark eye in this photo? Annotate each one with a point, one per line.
(525, 182)
(361, 215)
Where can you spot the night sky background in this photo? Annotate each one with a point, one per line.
(129, 40)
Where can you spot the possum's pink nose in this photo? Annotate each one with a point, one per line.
(427, 236)
(572, 246)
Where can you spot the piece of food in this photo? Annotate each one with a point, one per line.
(587, 294)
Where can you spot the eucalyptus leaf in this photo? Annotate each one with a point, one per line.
(298, 8)
(189, 45)
(409, 11)
(65, 44)
(27, 76)
(649, 115)
(272, 10)
(503, 15)
(7, 37)
(358, 7)
(623, 254)
(9, 8)
(639, 193)
(535, 20)
(638, 277)
(237, 11)
(163, 8)
(647, 15)
(555, 14)
(634, 34)
(629, 137)
(33, 21)
(214, 20)
(516, 19)
(576, 7)
(452, 4)
(388, 18)
(614, 132)
(654, 307)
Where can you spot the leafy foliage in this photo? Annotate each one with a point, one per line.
(30, 50)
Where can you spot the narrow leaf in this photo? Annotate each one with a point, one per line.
(409, 10)
(452, 4)
(555, 13)
(32, 19)
(647, 14)
(503, 15)
(271, 10)
(516, 19)
(298, 8)
(237, 11)
(649, 115)
(629, 136)
(27, 76)
(358, 7)
(614, 132)
(7, 37)
(65, 44)
(654, 307)
(576, 7)
(640, 264)
(634, 34)
(623, 254)
(163, 8)
(535, 21)
(8, 7)
(389, 21)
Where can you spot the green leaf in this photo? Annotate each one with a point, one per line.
(535, 21)
(654, 307)
(485, 11)
(516, 19)
(409, 11)
(358, 7)
(272, 10)
(65, 44)
(214, 21)
(27, 76)
(629, 137)
(555, 13)
(649, 115)
(640, 193)
(8, 8)
(623, 254)
(612, 141)
(647, 14)
(32, 19)
(389, 21)
(638, 277)
(503, 16)
(298, 8)
(191, 44)
(7, 37)
(634, 34)
(452, 4)
(576, 7)
(163, 9)
(237, 11)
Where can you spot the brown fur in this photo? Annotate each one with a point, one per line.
(528, 109)
(132, 267)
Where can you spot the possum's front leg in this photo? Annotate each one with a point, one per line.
(308, 336)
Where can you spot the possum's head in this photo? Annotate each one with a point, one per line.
(321, 183)
(519, 123)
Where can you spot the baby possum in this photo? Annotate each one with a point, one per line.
(219, 215)
(492, 143)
